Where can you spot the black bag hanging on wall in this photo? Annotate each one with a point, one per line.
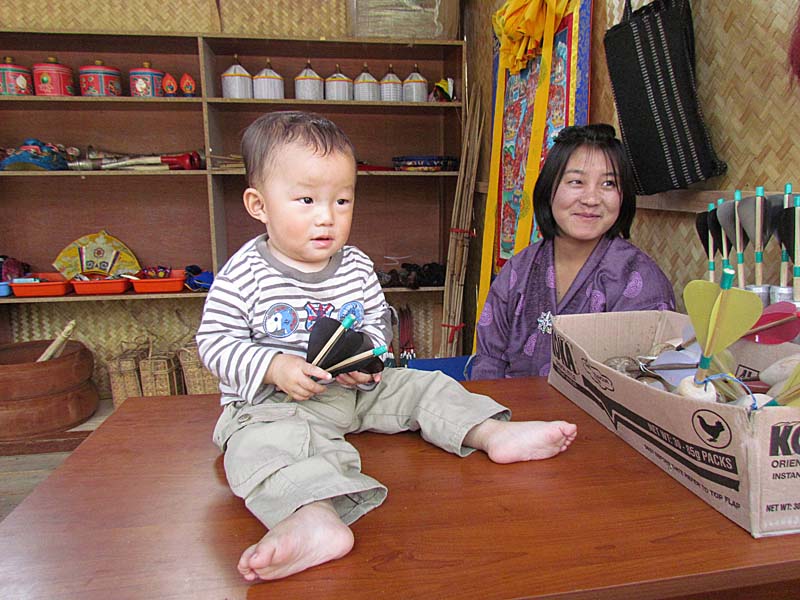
(650, 57)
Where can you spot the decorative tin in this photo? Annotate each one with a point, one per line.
(146, 81)
(188, 85)
(169, 85)
(99, 80)
(268, 84)
(237, 81)
(15, 80)
(415, 87)
(338, 86)
(391, 87)
(52, 79)
(366, 87)
(308, 85)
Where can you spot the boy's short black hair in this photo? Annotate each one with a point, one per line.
(263, 139)
(598, 136)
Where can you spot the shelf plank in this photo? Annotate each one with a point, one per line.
(437, 289)
(99, 297)
(378, 173)
(108, 173)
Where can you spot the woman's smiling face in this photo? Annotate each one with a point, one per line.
(587, 201)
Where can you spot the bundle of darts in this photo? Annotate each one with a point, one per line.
(337, 348)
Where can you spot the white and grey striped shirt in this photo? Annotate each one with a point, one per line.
(258, 307)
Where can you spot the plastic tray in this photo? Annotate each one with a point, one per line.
(55, 285)
(156, 286)
(101, 286)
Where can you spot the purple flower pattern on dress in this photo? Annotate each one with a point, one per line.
(597, 303)
(512, 280)
(550, 277)
(545, 370)
(530, 345)
(487, 316)
(635, 285)
(520, 305)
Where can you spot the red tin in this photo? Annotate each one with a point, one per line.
(146, 81)
(14, 79)
(99, 80)
(52, 79)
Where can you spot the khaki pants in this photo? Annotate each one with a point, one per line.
(281, 455)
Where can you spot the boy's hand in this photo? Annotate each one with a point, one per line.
(353, 378)
(293, 375)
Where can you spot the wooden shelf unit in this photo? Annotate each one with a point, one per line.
(195, 217)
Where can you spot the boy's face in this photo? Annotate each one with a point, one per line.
(306, 202)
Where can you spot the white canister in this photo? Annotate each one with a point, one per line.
(308, 85)
(391, 87)
(236, 81)
(415, 87)
(366, 87)
(268, 84)
(338, 86)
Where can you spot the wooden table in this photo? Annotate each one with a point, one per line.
(142, 510)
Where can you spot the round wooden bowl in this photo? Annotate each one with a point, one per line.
(44, 397)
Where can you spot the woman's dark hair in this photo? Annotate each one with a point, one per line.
(598, 136)
(269, 134)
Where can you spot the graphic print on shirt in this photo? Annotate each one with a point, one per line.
(354, 308)
(280, 321)
(315, 310)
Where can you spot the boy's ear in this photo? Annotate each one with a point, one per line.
(255, 205)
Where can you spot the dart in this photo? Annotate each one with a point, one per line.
(719, 234)
(720, 315)
(706, 238)
(790, 392)
(346, 324)
(778, 323)
(787, 203)
(349, 362)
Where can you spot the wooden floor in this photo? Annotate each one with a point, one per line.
(20, 474)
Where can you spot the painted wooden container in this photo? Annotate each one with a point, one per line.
(145, 81)
(99, 80)
(237, 81)
(51, 78)
(15, 80)
(338, 86)
(365, 87)
(308, 85)
(391, 87)
(415, 87)
(268, 84)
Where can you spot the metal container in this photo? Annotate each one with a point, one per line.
(762, 291)
(268, 84)
(53, 79)
(415, 87)
(365, 87)
(146, 81)
(338, 86)
(391, 87)
(237, 81)
(778, 293)
(99, 80)
(308, 85)
(15, 80)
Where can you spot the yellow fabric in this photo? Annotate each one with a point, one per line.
(524, 28)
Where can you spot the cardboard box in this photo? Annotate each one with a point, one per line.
(746, 464)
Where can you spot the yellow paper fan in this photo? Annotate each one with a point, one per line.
(96, 254)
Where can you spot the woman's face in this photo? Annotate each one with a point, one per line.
(587, 200)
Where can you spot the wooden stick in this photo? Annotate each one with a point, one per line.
(759, 242)
(787, 202)
(357, 358)
(796, 257)
(56, 347)
(710, 242)
(737, 198)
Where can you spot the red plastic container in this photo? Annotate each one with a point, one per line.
(55, 285)
(174, 283)
(101, 286)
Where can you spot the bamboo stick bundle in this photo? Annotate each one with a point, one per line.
(461, 223)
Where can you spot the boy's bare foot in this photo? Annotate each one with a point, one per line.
(314, 534)
(514, 441)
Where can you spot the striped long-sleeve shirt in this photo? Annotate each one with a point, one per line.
(259, 307)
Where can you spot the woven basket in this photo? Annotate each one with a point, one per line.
(199, 380)
(285, 18)
(161, 375)
(123, 374)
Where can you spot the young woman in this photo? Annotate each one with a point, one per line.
(584, 202)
